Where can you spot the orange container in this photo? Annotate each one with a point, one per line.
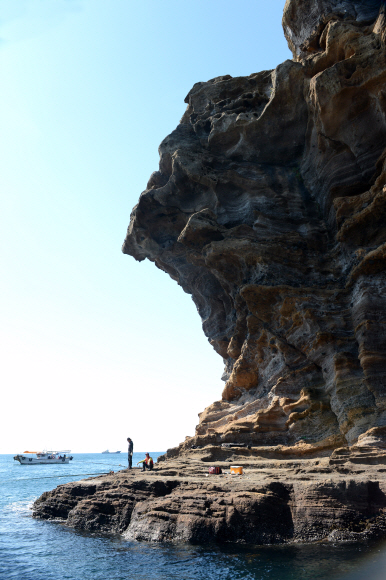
(236, 470)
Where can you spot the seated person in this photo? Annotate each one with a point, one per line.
(147, 463)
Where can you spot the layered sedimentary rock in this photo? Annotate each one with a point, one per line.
(269, 209)
(274, 502)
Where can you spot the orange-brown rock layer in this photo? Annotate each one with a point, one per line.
(269, 208)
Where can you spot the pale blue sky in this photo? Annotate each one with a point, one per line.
(95, 346)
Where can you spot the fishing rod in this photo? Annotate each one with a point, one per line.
(56, 476)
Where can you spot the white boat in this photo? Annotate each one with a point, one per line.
(107, 451)
(43, 457)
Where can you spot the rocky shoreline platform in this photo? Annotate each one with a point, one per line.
(276, 500)
(269, 208)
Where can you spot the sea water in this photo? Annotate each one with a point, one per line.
(32, 549)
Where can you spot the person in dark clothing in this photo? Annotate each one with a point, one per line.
(130, 452)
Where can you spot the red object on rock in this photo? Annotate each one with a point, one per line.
(215, 470)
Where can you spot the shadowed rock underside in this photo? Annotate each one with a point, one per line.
(269, 209)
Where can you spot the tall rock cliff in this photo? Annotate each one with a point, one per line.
(269, 208)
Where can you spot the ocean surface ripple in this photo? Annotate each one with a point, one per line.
(38, 550)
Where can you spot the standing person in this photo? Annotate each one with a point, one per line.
(147, 463)
(130, 452)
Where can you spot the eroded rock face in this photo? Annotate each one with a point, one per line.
(304, 21)
(269, 208)
(274, 502)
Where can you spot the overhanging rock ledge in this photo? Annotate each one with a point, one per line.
(269, 208)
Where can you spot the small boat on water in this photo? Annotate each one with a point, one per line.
(107, 451)
(43, 457)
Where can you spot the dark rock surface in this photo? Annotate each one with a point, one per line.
(268, 207)
(304, 21)
(275, 501)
